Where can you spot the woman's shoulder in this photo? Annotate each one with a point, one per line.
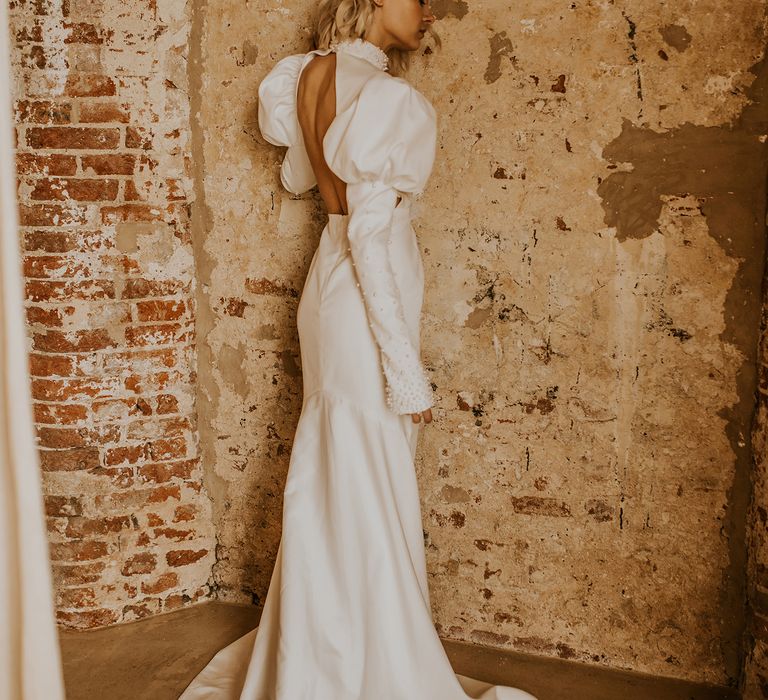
(392, 93)
(277, 99)
(388, 133)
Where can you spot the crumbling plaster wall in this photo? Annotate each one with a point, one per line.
(593, 240)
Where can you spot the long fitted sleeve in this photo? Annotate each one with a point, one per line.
(371, 204)
(384, 144)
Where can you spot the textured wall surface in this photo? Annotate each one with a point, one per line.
(103, 158)
(755, 677)
(593, 239)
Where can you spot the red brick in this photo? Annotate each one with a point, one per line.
(48, 241)
(156, 310)
(76, 598)
(154, 520)
(69, 460)
(63, 390)
(85, 33)
(52, 318)
(174, 190)
(141, 563)
(63, 505)
(53, 266)
(160, 473)
(147, 384)
(80, 190)
(31, 32)
(49, 290)
(61, 438)
(109, 164)
(78, 574)
(52, 215)
(78, 550)
(102, 112)
(62, 413)
(126, 264)
(52, 365)
(68, 137)
(184, 513)
(39, 7)
(78, 527)
(72, 341)
(172, 533)
(137, 138)
(35, 57)
(172, 448)
(163, 493)
(167, 403)
(50, 164)
(125, 454)
(132, 194)
(130, 213)
(87, 619)
(137, 612)
(163, 583)
(140, 288)
(183, 557)
(43, 112)
(81, 84)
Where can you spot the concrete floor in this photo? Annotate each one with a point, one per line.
(154, 659)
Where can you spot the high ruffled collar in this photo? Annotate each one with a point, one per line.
(364, 49)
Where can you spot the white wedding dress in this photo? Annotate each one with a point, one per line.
(347, 615)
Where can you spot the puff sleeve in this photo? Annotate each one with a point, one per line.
(384, 143)
(279, 122)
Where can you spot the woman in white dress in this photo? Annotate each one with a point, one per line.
(347, 615)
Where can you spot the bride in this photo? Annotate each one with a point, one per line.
(347, 615)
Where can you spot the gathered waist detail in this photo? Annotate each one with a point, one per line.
(337, 223)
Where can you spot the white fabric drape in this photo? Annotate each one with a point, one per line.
(30, 664)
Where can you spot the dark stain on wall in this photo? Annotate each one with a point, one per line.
(725, 167)
(501, 47)
(676, 36)
(450, 8)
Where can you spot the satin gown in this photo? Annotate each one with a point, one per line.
(347, 615)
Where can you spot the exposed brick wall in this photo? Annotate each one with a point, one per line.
(103, 160)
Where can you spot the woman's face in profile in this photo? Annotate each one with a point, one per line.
(406, 21)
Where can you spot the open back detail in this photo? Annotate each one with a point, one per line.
(316, 110)
(347, 615)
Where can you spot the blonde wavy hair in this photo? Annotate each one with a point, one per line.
(336, 20)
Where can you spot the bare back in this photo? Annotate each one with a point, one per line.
(316, 107)
(316, 110)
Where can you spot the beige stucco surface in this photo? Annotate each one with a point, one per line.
(590, 320)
